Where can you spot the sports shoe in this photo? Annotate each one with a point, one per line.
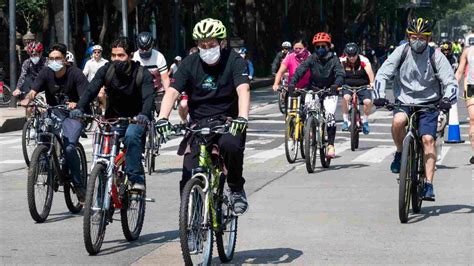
(365, 128)
(345, 126)
(331, 153)
(428, 193)
(472, 160)
(395, 166)
(138, 186)
(239, 202)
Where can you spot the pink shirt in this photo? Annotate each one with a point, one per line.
(291, 64)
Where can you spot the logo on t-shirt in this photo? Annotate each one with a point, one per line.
(209, 83)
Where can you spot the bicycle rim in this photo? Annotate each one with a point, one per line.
(195, 233)
(28, 140)
(353, 129)
(70, 194)
(310, 144)
(406, 170)
(133, 214)
(418, 174)
(325, 161)
(226, 236)
(291, 144)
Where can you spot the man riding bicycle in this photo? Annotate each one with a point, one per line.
(63, 84)
(130, 93)
(326, 71)
(30, 68)
(285, 48)
(217, 84)
(416, 82)
(358, 73)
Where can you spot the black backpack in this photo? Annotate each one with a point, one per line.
(111, 72)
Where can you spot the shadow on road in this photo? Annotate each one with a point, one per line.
(168, 170)
(57, 217)
(265, 256)
(123, 244)
(427, 212)
(341, 166)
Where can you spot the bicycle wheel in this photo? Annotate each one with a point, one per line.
(325, 161)
(40, 184)
(291, 143)
(132, 214)
(226, 235)
(95, 220)
(282, 102)
(28, 140)
(406, 170)
(419, 185)
(70, 195)
(194, 230)
(311, 145)
(302, 151)
(149, 150)
(7, 95)
(354, 129)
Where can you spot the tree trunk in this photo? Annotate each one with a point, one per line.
(58, 19)
(250, 34)
(105, 22)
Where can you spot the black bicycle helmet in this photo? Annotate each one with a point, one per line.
(420, 26)
(351, 49)
(145, 40)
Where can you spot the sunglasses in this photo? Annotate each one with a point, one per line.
(320, 46)
(418, 37)
(97, 52)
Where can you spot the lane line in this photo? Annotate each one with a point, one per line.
(10, 141)
(444, 151)
(12, 161)
(376, 154)
(266, 155)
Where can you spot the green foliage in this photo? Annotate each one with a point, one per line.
(31, 11)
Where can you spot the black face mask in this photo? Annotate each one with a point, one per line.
(122, 67)
(145, 55)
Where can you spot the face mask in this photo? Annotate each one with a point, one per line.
(321, 52)
(55, 65)
(418, 46)
(35, 59)
(122, 67)
(301, 55)
(145, 55)
(210, 56)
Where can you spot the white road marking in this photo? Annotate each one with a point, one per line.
(12, 161)
(444, 151)
(266, 135)
(10, 141)
(273, 115)
(375, 155)
(266, 155)
(258, 142)
(267, 122)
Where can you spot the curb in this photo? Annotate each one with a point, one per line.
(12, 124)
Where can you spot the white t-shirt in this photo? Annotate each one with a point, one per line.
(156, 64)
(173, 68)
(92, 66)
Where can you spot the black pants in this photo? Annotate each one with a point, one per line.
(231, 149)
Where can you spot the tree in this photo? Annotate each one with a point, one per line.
(32, 12)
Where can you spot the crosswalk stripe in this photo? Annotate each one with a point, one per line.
(10, 141)
(267, 155)
(444, 151)
(266, 135)
(267, 122)
(12, 161)
(375, 155)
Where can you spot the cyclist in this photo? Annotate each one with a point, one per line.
(416, 82)
(447, 50)
(130, 93)
(155, 62)
(174, 66)
(467, 62)
(457, 49)
(326, 71)
(93, 64)
(358, 73)
(285, 48)
(63, 84)
(30, 68)
(243, 52)
(299, 54)
(216, 82)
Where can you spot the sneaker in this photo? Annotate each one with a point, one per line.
(239, 202)
(331, 153)
(365, 128)
(428, 193)
(345, 126)
(395, 166)
(472, 160)
(138, 186)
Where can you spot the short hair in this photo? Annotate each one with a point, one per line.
(60, 47)
(125, 43)
(302, 41)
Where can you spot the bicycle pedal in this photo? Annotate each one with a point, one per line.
(149, 199)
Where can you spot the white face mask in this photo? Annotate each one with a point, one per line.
(35, 59)
(210, 56)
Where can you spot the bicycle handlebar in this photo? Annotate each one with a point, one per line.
(433, 107)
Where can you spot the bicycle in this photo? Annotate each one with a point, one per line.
(282, 94)
(315, 129)
(31, 129)
(108, 188)
(205, 205)
(5, 94)
(412, 171)
(48, 170)
(152, 145)
(355, 126)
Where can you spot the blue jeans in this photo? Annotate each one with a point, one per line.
(134, 143)
(71, 132)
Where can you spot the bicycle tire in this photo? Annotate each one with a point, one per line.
(132, 231)
(354, 130)
(282, 102)
(417, 190)
(406, 170)
(191, 189)
(70, 196)
(149, 151)
(225, 242)
(325, 161)
(40, 162)
(311, 145)
(291, 152)
(7, 95)
(302, 151)
(26, 140)
(97, 177)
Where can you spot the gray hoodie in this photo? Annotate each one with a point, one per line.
(416, 83)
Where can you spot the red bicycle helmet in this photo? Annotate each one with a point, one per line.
(34, 47)
(321, 37)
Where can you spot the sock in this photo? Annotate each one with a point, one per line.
(345, 117)
(428, 182)
(365, 118)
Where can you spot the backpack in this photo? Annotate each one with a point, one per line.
(111, 72)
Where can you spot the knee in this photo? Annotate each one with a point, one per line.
(347, 98)
(428, 140)
(133, 135)
(70, 149)
(399, 122)
(367, 101)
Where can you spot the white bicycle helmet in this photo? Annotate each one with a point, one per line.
(70, 57)
(286, 44)
(97, 47)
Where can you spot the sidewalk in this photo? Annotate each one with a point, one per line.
(12, 119)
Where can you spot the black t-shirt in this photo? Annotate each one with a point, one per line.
(212, 89)
(69, 87)
(124, 98)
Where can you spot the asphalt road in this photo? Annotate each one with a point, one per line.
(346, 214)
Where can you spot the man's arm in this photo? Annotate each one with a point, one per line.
(301, 70)
(24, 70)
(339, 72)
(148, 93)
(447, 78)
(388, 69)
(275, 62)
(243, 91)
(86, 69)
